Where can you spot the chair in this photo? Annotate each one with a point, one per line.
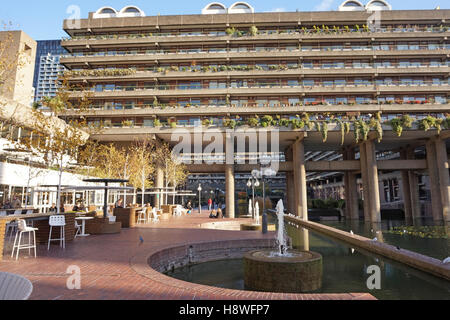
(14, 287)
(3, 214)
(142, 217)
(78, 228)
(12, 226)
(22, 228)
(155, 215)
(57, 221)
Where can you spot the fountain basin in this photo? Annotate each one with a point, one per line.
(297, 272)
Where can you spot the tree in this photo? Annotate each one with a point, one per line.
(56, 141)
(141, 166)
(175, 172)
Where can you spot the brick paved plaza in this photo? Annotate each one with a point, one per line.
(114, 267)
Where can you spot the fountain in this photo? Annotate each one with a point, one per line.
(283, 270)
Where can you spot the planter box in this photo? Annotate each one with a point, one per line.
(100, 226)
(127, 217)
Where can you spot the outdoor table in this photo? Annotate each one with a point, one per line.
(83, 227)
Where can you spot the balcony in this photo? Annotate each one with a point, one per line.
(393, 107)
(245, 36)
(273, 53)
(223, 72)
(265, 89)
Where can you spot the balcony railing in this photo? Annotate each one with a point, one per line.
(280, 49)
(244, 33)
(276, 85)
(163, 106)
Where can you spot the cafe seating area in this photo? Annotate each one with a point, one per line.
(74, 225)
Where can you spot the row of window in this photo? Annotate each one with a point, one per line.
(337, 47)
(271, 101)
(267, 83)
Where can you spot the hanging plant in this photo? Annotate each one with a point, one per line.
(427, 123)
(362, 130)
(253, 122)
(324, 131)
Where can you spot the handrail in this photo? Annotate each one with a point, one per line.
(243, 33)
(256, 105)
(413, 83)
(214, 51)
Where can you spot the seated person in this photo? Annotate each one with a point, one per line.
(220, 213)
(189, 207)
(119, 204)
(53, 208)
(214, 215)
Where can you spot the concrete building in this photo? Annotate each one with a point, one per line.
(231, 69)
(48, 68)
(19, 52)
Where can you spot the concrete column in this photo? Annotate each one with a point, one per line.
(300, 189)
(290, 192)
(444, 180)
(363, 159)
(351, 190)
(433, 171)
(414, 187)
(229, 177)
(374, 188)
(406, 189)
(230, 191)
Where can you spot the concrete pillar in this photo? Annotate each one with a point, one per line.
(433, 172)
(406, 189)
(229, 177)
(300, 189)
(366, 193)
(351, 190)
(414, 187)
(290, 192)
(374, 188)
(444, 180)
(230, 191)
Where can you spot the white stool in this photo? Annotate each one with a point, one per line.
(142, 217)
(12, 226)
(22, 227)
(57, 221)
(78, 228)
(155, 215)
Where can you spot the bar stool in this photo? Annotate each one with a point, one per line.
(22, 228)
(57, 221)
(12, 226)
(142, 217)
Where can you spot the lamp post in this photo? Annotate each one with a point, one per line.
(253, 183)
(200, 198)
(266, 172)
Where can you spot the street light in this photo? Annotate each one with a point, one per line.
(200, 198)
(253, 183)
(269, 172)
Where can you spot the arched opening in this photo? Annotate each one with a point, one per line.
(215, 8)
(241, 7)
(131, 11)
(375, 5)
(105, 12)
(351, 5)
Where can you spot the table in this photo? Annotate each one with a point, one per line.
(83, 228)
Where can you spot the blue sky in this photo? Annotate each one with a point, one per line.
(43, 19)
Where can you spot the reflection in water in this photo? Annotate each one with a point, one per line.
(436, 248)
(344, 271)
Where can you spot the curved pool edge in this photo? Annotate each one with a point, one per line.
(164, 257)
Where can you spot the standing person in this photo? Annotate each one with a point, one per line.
(210, 203)
(16, 204)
